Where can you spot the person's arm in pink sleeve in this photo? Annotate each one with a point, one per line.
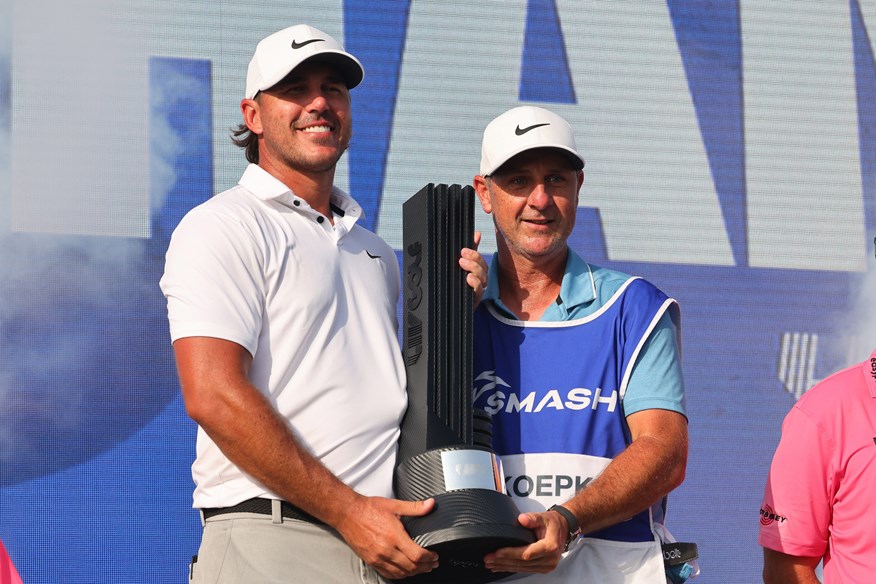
(795, 514)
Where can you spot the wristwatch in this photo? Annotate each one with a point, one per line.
(571, 521)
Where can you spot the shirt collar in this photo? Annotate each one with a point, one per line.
(267, 187)
(577, 287)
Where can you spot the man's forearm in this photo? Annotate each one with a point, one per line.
(651, 467)
(260, 442)
(249, 431)
(254, 437)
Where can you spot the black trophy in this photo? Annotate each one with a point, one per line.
(445, 449)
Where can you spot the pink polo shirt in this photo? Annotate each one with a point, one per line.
(820, 497)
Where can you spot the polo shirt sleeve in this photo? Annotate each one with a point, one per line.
(656, 381)
(795, 514)
(213, 279)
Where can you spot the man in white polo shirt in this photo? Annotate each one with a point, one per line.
(282, 311)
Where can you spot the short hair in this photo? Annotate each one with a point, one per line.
(245, 138)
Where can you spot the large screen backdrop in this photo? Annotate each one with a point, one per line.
(730, 160)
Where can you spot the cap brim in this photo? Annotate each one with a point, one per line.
(573, 157)
(349, 67)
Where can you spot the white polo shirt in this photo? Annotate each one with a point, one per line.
(315, 305)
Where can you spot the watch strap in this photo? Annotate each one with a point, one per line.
(571, 521)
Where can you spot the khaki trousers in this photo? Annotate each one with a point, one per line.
(254, 549)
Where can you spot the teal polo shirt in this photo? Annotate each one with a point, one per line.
(656, 381)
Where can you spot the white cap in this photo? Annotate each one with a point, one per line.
(524, 128)
(278, 54)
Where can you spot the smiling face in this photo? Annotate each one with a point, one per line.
(533, 199)
(303, 122)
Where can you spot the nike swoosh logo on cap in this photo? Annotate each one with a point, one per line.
(373, 257)
(520, 131)
(297, 45)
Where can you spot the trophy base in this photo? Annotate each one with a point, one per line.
(465, 526)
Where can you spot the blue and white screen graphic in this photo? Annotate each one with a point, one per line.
(731, 160)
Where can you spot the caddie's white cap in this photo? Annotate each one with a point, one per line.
(524, 128)
(278, 54)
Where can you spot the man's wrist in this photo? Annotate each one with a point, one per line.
(571, 521)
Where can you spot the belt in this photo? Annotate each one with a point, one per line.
(263, 507)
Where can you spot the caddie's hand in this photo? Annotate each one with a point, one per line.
(541, 556)
(473, 262)
(375, 533)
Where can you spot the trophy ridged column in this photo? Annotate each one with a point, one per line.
(444, 449)
(437, 319)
